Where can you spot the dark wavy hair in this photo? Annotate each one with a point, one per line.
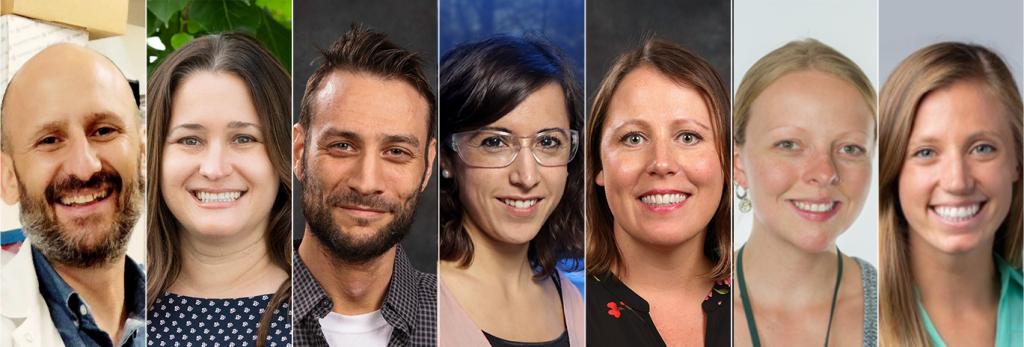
(481, 82)
(270, 89)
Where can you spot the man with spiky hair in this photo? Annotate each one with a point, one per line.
(363, 150)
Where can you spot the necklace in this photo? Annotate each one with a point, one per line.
(749, 312)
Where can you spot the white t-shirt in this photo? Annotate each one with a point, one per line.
(368, 329)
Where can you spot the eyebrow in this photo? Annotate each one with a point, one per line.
(972, 137)
(690, 121)
(49, 127)
(240, 124)
(513, 133)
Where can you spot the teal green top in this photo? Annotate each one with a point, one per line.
(1009, 322)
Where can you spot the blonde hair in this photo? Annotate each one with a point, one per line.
(803, 55)
(933, 67)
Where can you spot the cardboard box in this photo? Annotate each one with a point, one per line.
(21, 38)
(102, 18)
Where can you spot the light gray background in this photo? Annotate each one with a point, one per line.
(908, 25)
(851, 27)
(409, 24)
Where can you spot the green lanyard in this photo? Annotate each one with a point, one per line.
(749, 312)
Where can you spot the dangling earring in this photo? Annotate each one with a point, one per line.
(446, 174)
(741, 194)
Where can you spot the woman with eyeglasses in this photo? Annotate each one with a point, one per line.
(511, 195)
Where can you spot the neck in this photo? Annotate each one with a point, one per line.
(102, 289)
(226, 266)
(954, 280)
(646, 267)
(498, 264)
(778, 273)
(354, 288)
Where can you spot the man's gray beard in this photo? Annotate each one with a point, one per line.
(59, 246)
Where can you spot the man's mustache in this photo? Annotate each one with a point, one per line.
(102, 179)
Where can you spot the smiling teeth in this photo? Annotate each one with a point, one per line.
(957, 213)
(520, 203)
(663, 199)
(809, 207)
(83, 199)
(218, 197)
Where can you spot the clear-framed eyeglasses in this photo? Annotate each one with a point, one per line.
(497, 149)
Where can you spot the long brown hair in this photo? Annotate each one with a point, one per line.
(270, 89)
(930, 68)
(685, 68)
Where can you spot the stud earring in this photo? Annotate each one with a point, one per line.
(446, 174)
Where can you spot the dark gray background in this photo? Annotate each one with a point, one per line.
(615, 26)
(410, 24)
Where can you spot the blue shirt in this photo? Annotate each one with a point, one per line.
(72, 317)
(1010, 319)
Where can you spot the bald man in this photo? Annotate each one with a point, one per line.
(72, 153)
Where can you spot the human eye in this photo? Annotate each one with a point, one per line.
(852, 150)
(690, 138)
(399, 154)
(787, 145)
(924, 153)
(190, 141)
(49, 140)
(983, 149)
(549, 141)
(244, 139)
(105, 132)
(341, 148)
(493, 141)
(632, 139)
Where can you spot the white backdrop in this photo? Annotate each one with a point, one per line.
(851, 27)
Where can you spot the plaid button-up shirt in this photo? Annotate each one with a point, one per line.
(410, 305)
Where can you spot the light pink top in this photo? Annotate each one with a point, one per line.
(455, 328)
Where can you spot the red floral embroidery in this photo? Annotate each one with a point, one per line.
(613, 309)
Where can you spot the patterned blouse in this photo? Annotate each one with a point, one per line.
(176, 320)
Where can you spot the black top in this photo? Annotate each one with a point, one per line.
(560, 341)
(617, 316)
(176, 320)
(410, 304)
(72, 316)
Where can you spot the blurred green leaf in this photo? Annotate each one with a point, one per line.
(176, 22)
(193, 27)
(151, 24)
(164, 9)
(281, 10)
(277, 39)
(224, 15)
(180, 39)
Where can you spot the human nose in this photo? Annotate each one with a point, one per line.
(957, 176)
(525, 168)
(821, 171)
(214, 165)
(364, 178)
(663, 161)
(84, 161)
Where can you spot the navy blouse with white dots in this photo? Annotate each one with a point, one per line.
(176, 320)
